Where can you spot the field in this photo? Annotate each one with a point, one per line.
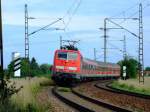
(26, 99)
(134, 85)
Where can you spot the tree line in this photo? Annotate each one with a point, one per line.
(29, 68)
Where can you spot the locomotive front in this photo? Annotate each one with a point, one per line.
(66, 65)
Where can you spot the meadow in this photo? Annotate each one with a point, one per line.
(26, 99)
(133, 85)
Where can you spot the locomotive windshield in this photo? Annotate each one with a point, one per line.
(62, 55)
(72, 56)
(67, 56)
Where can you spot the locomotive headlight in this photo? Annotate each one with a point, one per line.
(72, 68)
(59, 67)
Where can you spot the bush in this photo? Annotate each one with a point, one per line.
(7, 89)
(131, 67)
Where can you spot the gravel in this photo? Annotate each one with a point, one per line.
(74, 98)
(46, 98)
(134, 103)
(57, 105)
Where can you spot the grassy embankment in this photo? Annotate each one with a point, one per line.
(26, 100)
(133, 85)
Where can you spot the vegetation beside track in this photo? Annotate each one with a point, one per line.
(133, 85)
(26, 100)
(131, 67)
(29, 68)
(64, 89)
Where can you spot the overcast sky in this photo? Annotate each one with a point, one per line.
(83, 19)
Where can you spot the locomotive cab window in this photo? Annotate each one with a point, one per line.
(62, 55)
(67, 55)
(72, 56)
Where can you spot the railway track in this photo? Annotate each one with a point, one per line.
(84, 103)
(106, 86)
(102, 90)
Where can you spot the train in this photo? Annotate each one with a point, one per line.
(71, 66)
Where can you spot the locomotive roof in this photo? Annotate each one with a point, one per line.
(66, 50)
(90, 61)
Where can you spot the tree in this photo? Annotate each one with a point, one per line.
(28, 68)
(147, 68)
(34, 67)
(131, 65)
(25, 67)
(45, 68)
(9, 72)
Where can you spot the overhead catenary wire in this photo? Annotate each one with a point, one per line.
(33, 43)
(43, 28)
(114, 46)
(70, 8)
(135, 13)
(71, 15)
(128, 9)
(123, 12)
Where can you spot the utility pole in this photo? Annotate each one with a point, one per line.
(124, 47)
(140, 38)
(141, 59)
(1, 51)
(60, 42)
(26, 33)
(105, 41)
(94, 54)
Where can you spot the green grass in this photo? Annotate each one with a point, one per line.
(64, 89)
(131, 88)
(26, 99)
(44, 75)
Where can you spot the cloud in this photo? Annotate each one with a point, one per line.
(83, 26)
(77, 22)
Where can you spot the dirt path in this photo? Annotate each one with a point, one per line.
(46, 98)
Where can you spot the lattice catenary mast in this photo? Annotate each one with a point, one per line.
(141, 59)
(26, 33)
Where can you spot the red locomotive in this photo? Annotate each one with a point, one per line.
(69, 65)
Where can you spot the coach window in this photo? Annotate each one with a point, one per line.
(85, 66)
(72, 56)
(82, 65)
(92, 67)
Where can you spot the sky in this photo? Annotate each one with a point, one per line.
(81, 21)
